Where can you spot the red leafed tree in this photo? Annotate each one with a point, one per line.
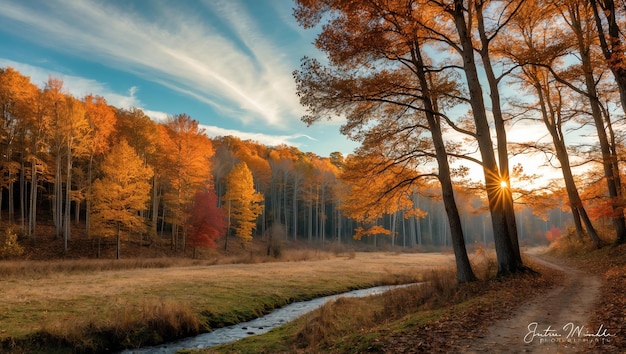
(553, 234)
(207, 220)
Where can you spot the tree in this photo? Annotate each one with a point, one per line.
(544, 46)
(142, 134)
(372, 194)
(380, 77)
(611, 36)
(207, 221)
(459, 37)
(187, 152)
(242, 202)
(36, 151)
(17, 105)
(101, 119)
(68, 127)
(122, 192)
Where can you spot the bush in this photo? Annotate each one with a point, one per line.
(9, 247)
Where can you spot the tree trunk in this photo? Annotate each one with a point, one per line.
(609, 158)
(507, 260)
(554, 127)
(10, 196)
(155, 205)
(463, 266)
(32, 220)
(501, 138)
(88, 201)
(23, 195)
(119, 242)
(58, 196)
(612, 48)
(68, 200)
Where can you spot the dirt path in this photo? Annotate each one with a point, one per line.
(556, 322)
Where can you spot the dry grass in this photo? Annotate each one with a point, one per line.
(66, 300)
(413, 319)
(126, 325)
(348, 316)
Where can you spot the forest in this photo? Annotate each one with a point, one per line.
(64, 155)
(414, 97)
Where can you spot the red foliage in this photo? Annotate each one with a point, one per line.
(207, 221)
(604, 209)
(553, 234)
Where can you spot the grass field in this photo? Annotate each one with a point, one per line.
(75, 304)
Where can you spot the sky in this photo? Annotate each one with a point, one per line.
(226, 63)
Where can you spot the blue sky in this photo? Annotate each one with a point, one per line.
(226, 63)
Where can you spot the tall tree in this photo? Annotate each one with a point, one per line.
(122, 192)
(142, 134)
(380, 76)
(537, 48)
(36, 151)
(579, 17)
(242, 203)
(101, 119)
(188, 153)
(456, 29)
(68, 127)
(610, 21)
(17, 107)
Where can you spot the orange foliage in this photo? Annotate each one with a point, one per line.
(553, 234)
(372, 231)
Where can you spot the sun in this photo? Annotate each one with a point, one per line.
(503, 184)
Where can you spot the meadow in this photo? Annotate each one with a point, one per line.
(99, 305)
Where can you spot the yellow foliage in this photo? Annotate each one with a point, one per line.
(9, 247)
(242, 202)
(123, 191)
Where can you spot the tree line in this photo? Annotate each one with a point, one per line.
(408, 74)
(82, 163)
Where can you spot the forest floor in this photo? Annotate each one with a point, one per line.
(552, 322)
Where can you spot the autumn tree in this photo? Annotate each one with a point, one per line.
(68, 127)
(17, 107)
(372, 192)
(207, 221)
(101, 119)
(188, 153)
(536, 47)
(380, 77)
(579, 17)
(121, 193)
(609, 21)
(35, 151)
(142, 134)
(242, 202)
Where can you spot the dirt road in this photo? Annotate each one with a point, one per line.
(556, 322)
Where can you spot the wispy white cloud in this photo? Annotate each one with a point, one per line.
(182, 50)
(265, 139)
(76, 85)
(80, 87)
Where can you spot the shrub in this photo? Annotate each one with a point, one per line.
(9, 247)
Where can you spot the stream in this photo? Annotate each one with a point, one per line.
(259, 325)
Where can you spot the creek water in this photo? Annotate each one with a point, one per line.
(259, 325)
